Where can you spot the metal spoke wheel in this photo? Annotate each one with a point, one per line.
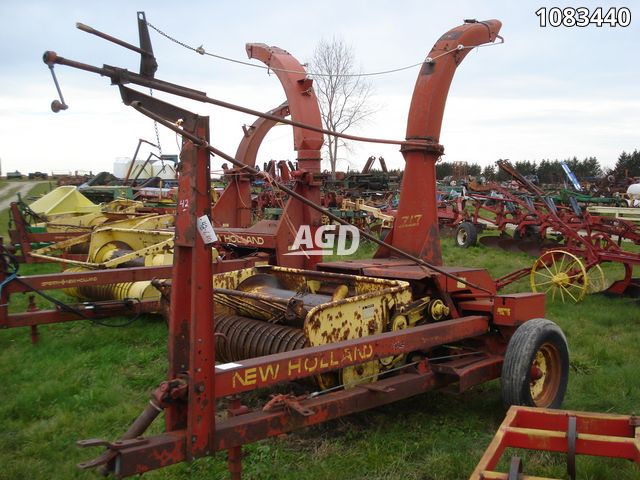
(597, 281)
(562, 274)
(535, 371)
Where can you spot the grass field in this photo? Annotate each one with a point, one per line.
(86, 381)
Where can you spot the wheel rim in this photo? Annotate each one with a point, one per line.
(462, 236)
(356, 374)
(597, 280)
(562, 274)
(545, 375)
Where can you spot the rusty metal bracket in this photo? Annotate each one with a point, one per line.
(112, 449)
(289, 402)
(169, 112)
(372, 387)
(117, 445)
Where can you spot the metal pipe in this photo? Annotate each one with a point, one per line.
(117, 41)
(121, 75)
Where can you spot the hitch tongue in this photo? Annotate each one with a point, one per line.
(162, 397)
(130, 438)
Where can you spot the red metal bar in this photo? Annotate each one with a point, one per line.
(96, 277)
(21, 231)
(201, 416)
(53, 281)
(191, 324)
(264, 371)
(90, 311)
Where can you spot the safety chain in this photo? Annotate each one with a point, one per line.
(200, 50)
(155, 127)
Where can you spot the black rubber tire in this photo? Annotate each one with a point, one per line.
(522, 349)
(531, 232)
(466, 235)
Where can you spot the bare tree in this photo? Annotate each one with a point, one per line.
(342, 93)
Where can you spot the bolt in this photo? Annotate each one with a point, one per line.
(536, 373)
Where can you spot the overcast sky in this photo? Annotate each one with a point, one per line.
(545, 93)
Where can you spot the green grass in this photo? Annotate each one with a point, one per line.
(86, 381)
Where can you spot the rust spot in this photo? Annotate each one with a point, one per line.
(371, 325)
(315, 324)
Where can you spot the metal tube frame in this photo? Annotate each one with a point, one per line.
(577, 433)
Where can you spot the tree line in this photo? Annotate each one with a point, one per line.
(547, 171)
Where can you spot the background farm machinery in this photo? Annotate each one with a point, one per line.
(572, 242)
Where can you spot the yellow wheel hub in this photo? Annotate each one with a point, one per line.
(561, 274)
(561, 279)
(545, 375)
(538, 374)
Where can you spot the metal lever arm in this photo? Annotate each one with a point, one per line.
(57, 105)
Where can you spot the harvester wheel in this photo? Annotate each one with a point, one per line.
(535, 371)
(561, 273)
(466, 235)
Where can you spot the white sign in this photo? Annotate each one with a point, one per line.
(205, 229)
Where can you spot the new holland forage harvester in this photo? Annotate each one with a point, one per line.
(366, 332)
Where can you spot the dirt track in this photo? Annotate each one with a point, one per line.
(23, 189)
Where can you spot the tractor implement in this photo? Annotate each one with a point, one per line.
(569, 269)
(362, 333)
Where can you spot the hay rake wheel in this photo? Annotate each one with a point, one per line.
(597, 282)
(561, 273)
